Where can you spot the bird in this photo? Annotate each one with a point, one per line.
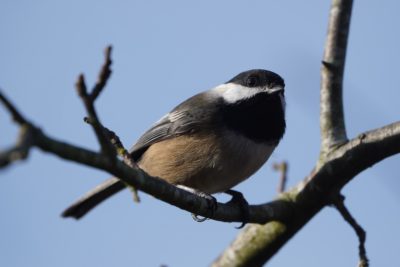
(209, 143)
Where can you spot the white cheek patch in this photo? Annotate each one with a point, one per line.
(232, 93)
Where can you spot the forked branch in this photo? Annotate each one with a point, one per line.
(333, 131)
(89, 99)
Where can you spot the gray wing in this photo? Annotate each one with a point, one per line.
(188, 117)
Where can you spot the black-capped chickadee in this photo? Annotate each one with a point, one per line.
(210, 142)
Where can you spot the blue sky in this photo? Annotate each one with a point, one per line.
(164, 52)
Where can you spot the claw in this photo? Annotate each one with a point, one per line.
(212, 207)
(197, 218)
(238, 199)
(211, 203)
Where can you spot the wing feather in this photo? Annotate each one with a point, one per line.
(185, 118)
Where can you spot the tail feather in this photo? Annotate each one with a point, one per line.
(94, 197)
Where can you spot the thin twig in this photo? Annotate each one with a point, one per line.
(20, 150)
(16, 115)
(124, 154)
(283, 169)
(88, 101)
(338, 202)
(333, 131)
(24, 141)
(104, 74)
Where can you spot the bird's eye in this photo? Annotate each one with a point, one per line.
(252, 81)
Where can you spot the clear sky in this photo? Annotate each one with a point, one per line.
(164, 52)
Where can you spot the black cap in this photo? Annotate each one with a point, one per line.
(258, 78)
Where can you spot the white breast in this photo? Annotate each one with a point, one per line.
(238, 159)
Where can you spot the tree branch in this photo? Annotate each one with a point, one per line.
(311, 195)
(88, 100)
(339, 204)
(24, 141)
(125, 155)
(20, 150)
(15, 114)
(283, 169)
(333, 131)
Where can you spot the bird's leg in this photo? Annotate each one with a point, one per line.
(211, 202)
(238, 199)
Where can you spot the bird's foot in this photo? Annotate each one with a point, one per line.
(238, 199)
(211, 202)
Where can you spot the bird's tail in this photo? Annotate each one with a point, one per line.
(94, 197)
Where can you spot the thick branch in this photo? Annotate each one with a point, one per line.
(309, 197)
(332, 124)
